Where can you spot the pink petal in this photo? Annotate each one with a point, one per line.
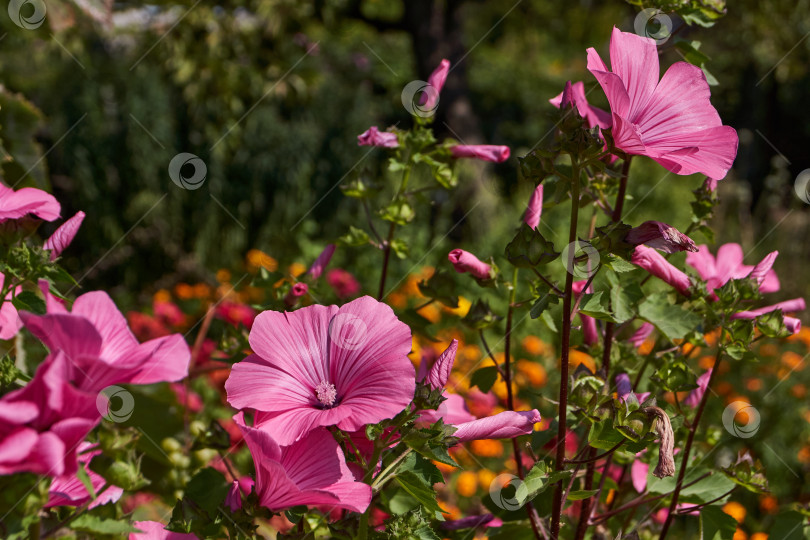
(702, 261)
(763, 267)
(320, 263)
(98, 308)
(535, 208)
(18, 412)
(152, 530)
(440, 372)
(657, 265)
(16, 445)
(635, 60)
(64, 235)
(694, 397)
(793, 325)
(464, 261)
(638, 474)
(641, 335)
(453, 411)
(710, 152)
(505, 425)
(16, 204)
(486, 152)
(611, 84)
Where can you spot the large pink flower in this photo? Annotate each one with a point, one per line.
(594, 116)
(68, 489)
(42, 424)
(322, 366)
(16, 204)
(717, 271)
(312, 471)
(100, 347)
(672, 120)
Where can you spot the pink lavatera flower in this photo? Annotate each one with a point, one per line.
(654, 263)
(485, 152)
(505, 425)
(436, 80)
(320, 263)
(661, 236)
(624, 389)
(374, 137)
(153, 530)
(311, 471)
(717, 271)
(534, 210)
(575, 94)
(296, 292)
(672, 120)
(344, 283)
(17, 204)
(346, 366)
(452, 410)
(466, 262)
(694, 397)
(42, 423)
(98, 347)
(640, 336)
(10, 322)
(788, 306)
(64, 235)
(590, 334)
(68, 490)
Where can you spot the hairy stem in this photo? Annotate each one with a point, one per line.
(559, 462)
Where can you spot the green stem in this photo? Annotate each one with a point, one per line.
(387, 244)
(559, 462)
(384, 476)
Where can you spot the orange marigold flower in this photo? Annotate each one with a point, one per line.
(799, 390)
(533, 371)
(575, 358)
(758, 536)
(162, 296)
(258, 259)
(735, 510)
(467, 484)
(753, 384)
(792, 360)
(534, 345)
(769, 504)
(740, 534)
(487, 448)
(485, 478)
(223, 275)
(184, 291)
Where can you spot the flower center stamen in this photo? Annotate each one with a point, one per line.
(326, 393)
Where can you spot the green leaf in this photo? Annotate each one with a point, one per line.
(207, 489)
(716, 524)
(597, 305)
(788, 526)
(400, 248)
(548, 320)
(355, 237)
(415, 487)
(625, 299)
(422, 468)
(399, 211)
(88, 523)
(29, 301)
(542, 303)
(81, 474)
(674, 321)
(529, 249)
(602, 435)
(484, 378)
(480, 316)
(581, 494)
(618, 265)
(440, 287)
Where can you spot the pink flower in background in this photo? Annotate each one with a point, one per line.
(320, 263)
(452, 410)
(471, 522)
(168, 313)
(486, 152)
(654, 263)
(464, 261)
(10, 322)
(295, 293)
(311, 471)
(590, 334)
(640, 336)
(99, 348)
(236, 313)
(374, 137)
(694, 397)
(661, 236)
(16, 204)
(505, 425)
(344, 283)
(324, 365)
(152, 530)
(624, 389)
(42, 423)
(672, 120)
(575, 93)
(788, 306)
(68, 490)
(430, 97)
(717, 271)
(64, 235)
(535, 208)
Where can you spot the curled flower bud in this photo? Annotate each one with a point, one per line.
(436, 80)
(64, 235)
(654, 263)
(640, 336)
(320, 263)
(374, 137)
(762, 268)
(440, 371)
(296, 292)
(464, 261)
(505, 425)
(486, 152)
(535, 208)
(233, 499)
(660, 236)
(666, 460)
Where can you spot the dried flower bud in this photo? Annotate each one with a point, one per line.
(666, 461)
(658, 235)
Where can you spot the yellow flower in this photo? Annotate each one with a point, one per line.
(485, 478)
(462, 309)
(296, 269)
(223, 275)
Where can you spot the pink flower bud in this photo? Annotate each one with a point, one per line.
(464, 261)
(535, 208)
(233, 499)
(590, 334)
(505, 425)
(436, 82)
(320, 263)
(793, 324)
(764, 266)
(654, 263)
(440, 372)
(788, 306)
(694, 397)
(487, 152)
(660, 236)
(374, 137)
(641, 335)
(296, 292)
(64, 235)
